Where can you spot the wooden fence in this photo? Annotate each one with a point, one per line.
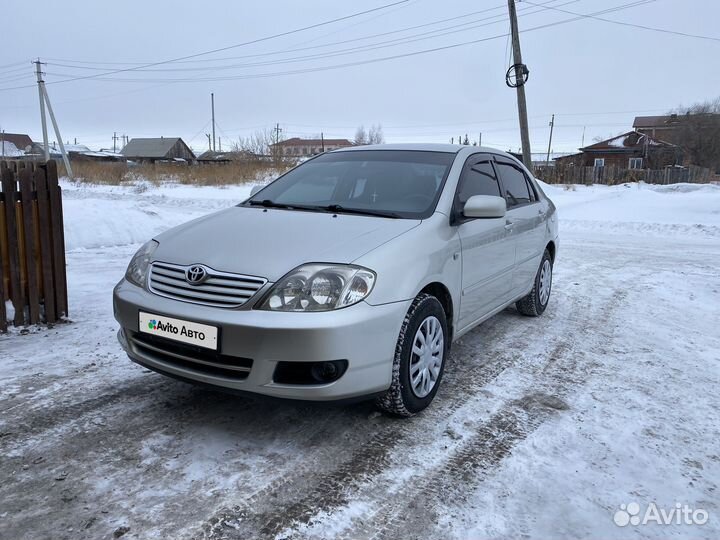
(568, 174)
(32, 244)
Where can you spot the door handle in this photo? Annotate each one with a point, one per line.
(509, 225)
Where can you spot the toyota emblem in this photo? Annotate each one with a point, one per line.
(195, 274)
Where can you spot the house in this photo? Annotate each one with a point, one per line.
(673, 127)
(631, 150)
(297, 147)
(158, 149)
(698, 134)
(19, 140)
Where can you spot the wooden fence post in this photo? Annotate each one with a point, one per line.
(16, 292)
(58, 240)
(30, 233)
(3, 317)
(45, 244)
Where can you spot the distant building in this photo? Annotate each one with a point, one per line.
(672, 127)
(19, 140)
(297, 147)
(631, 150)
(158, 149)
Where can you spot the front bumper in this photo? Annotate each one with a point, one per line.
(362, 334)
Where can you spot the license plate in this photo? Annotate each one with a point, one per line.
(189, 332)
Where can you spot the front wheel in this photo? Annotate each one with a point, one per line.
(535, 303)
(419, 358)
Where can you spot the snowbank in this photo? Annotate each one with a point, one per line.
(102, 215)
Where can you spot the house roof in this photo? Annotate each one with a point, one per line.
(297, 141)
(643, 122)
(627, 142)
(150, 148)
(669, 120)
(20, 140)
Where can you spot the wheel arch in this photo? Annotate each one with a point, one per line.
(552, 249)
(442, 293)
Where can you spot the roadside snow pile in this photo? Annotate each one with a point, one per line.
(8, 149)
(676, 209)
(103, 216)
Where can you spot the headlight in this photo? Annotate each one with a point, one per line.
(138, 267)
(320, 287)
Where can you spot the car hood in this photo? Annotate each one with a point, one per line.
(270, 242)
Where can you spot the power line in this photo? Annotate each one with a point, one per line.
(359, 62)
(623, 23)
(372, 46)
(330, 67)
(237, 45)
(299, 49)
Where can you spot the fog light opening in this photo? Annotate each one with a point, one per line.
(325, 372)
(309, 373)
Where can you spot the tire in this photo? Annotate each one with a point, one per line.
(426, 316)
(534, 304)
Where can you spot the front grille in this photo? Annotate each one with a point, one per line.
(191, 357)
(219, 289)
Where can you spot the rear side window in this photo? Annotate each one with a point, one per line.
(515, 185)
(478, 179)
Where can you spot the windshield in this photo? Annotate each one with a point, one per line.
(390, 183)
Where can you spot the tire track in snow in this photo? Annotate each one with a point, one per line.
(297, 498)
(323, 482)
(492, 441)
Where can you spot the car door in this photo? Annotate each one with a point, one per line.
(488, 251)
(525, 215)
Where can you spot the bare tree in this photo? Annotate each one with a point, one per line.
(375, 136)
(698, 133)
(361, 136)
(258, 143)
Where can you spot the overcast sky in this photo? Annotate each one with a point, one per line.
(590, 73)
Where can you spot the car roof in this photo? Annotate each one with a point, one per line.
(425, 147)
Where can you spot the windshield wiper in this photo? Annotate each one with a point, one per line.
(359, 211)
(267, 203)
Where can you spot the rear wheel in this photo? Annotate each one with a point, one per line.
(419, 358)
(535, 303)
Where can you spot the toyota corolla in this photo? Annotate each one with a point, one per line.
(346, 278)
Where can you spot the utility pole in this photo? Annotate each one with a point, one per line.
(38, 72)
(209, 141)
(480, 139)
(520, 74)
(322, 141)
(45, 100)
(582, 144)
(115, 138)
(2, 138)
(220, 144)
(552, 125)
(277, 133)
(212, 104)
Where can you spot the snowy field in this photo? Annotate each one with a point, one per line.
(542, 428)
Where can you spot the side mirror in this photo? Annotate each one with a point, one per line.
(255, 189)
(485, 206)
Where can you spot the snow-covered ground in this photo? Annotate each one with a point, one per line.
(543, 427)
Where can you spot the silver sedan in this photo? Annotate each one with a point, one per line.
(346, 278)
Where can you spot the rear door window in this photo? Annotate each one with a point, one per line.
(515, 187)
